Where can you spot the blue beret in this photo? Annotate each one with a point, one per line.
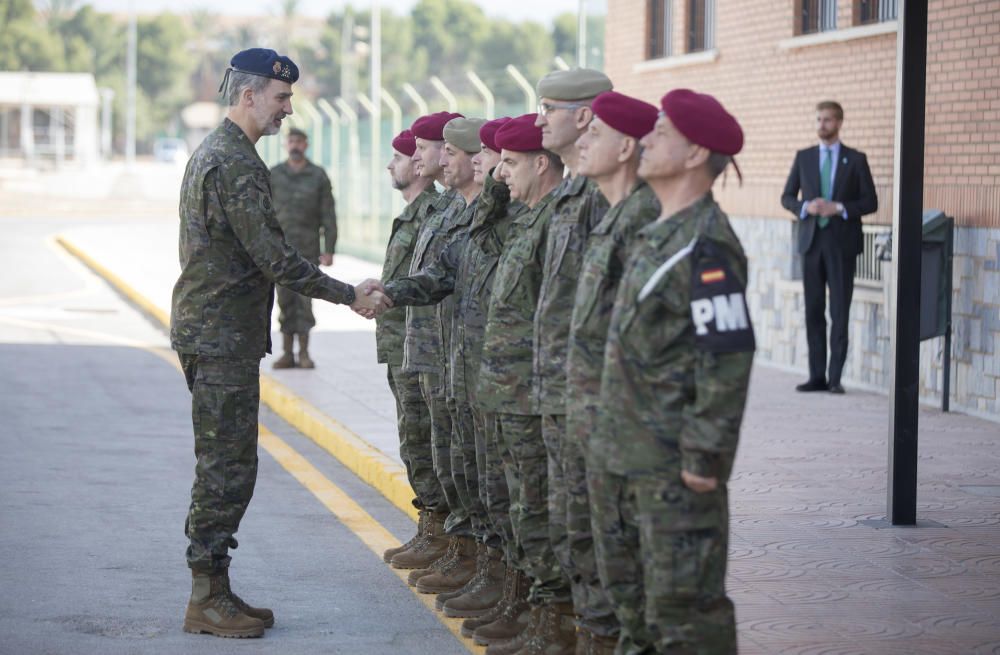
(266, 63)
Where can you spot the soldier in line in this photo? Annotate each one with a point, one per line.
(423, 354)
(608, 155)
(505, 379)
(232, 253)
(673, 391)
(413, 417)
(564, 112)
(461, 142)
(303, 201)
(463, 271)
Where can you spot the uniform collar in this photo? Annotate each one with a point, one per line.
(659, 232)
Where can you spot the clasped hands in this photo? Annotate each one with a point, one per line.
(822, 207)
(370, 299)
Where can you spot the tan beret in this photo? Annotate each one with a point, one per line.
(464, 133)
(573, 84)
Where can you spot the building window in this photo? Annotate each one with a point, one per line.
(701, 25)
(817, 16)
(875, 11)
(659, 28)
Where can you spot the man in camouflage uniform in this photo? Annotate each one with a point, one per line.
(563, 114)
(608, 155)
(232, 253)
(505, 379)
(674, 386)
(413, 417)
(304, 204)
(463, 271)
(423, 352)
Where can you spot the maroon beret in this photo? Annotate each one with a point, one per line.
(628, 115)
(487, 133)
(520, 134)
(431, 126)
(405, 143)
(703, 120)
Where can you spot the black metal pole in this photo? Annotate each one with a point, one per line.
(949, 255)
(911, 74)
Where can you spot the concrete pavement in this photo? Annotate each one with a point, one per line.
(95, 479)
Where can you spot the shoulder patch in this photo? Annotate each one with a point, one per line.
(718, 303)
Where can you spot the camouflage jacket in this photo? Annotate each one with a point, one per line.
(600, 273)
(304, 204)
(579, 205)
(390, 327)
(422, 347)
(458, 232)
(667, 404)
(232, 252)
(465, 269)
(505, 373)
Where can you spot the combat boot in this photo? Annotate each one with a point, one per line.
(482, 560)
(287, 359)
(305, 361)
(436, 565)
(513, 620)
(484, 595)
(422, 522)
(427, 549)
(213, 610)
(454, 575)
(556, 634)
(469, 625)
(536, 616)
(262, 613)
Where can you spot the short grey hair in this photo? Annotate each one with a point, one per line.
(238, 81)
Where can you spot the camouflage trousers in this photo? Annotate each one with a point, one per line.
(570, 525)
(433, 392)
(527, 479)
(493, 490)
(466, 431)
(413, 422)
(661, 554)
(225, 400)
(295, 313)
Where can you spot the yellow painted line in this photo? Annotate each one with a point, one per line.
(124, 288)
(371, 533)
(378, 470)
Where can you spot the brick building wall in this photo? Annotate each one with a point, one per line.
(770, 77)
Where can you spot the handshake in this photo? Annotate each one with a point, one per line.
(370, 299)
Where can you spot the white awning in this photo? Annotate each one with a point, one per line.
(48, 89)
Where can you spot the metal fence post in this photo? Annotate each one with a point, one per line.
(353, 158)
(489, 102)
(417, 99)
(446, 93)
(335, 168)
(397, 127)
(375, 198)
(530, 100)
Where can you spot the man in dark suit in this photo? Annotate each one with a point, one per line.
(836, 191)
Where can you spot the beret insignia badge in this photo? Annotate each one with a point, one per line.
(277, 67)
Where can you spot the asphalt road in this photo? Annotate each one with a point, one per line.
(95, 476)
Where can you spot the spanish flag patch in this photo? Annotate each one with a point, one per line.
(713, 275)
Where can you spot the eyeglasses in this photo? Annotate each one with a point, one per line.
(545, 108)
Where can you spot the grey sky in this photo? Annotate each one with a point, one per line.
(516, 10)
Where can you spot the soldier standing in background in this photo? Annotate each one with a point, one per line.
(232, 253)
(564, 113)
(413, 417)
(608, 155)
(674, 387)
(505, 378)
(303, 202)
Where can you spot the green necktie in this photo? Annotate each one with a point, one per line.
(825, 187)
